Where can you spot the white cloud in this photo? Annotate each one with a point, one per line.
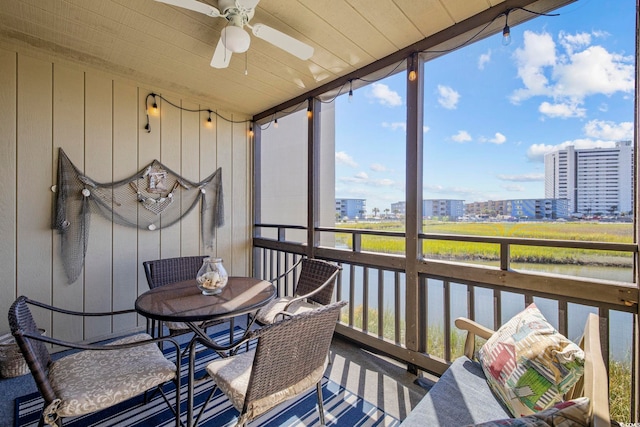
(425, 129)
(345, 159)
(448, 97)
(385, 96)
(513, 188)
(528, 177)
(364, 179)
(571, 42)
(537, 151)
(599, 134)
(377, 167)
(461, 136)
(594, 71)
(363, 176)
(609, 130)
(498, 139)
(569, 71)
(539, 51)
(395, 125)
(484, 59)
(561, 110)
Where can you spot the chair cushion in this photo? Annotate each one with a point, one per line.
(564, 414)
(91, 380)
(267, 314)
(232, 375)
(529, 365)
(177, 326)
(461, 396)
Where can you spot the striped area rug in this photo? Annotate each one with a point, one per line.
(342, 408)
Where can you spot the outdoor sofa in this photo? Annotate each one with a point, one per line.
(462, 396)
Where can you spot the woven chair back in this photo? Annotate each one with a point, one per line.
(290, 350)
(35, 352)
(314, 273)
(169, 270)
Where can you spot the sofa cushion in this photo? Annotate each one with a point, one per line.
(460, 397)
(571, 413)
(529, 365)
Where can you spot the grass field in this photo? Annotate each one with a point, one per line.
(441, 249)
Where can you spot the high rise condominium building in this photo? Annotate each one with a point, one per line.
(594, 181)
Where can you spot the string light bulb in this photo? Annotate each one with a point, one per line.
(350, 90)
(309, 113)
(154, 107)
(209, 121)
(250, 131)
(150, 111)
(506, 31)
(413, 60)
(506, 36)
(275, 123)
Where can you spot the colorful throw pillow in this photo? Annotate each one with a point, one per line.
(571, 413)
(529, 365)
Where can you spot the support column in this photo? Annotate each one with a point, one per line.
(313, 175)
(257, 195)
(413, 220)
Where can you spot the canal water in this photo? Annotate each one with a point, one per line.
(620, 328)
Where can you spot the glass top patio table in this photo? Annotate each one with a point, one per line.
(184, 302)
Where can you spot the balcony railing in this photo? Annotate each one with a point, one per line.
(379, 311)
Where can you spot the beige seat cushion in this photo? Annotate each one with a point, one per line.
(232, 375)
(267, 314)
(177, 326)
(96, 379)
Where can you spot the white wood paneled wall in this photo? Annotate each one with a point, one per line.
(98, 119)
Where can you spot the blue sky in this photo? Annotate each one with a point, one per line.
(491, 111)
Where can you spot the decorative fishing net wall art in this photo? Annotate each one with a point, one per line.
(152, 199)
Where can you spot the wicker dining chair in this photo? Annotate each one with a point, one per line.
(289, 358)
(314, 287)
(96, 378)
(170, 270)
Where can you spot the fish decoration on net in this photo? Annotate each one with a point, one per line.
(152, 199)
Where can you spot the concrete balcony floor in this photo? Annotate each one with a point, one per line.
(379, 380)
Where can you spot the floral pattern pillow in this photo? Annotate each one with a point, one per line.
(529, 365)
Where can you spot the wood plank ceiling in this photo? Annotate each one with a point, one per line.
(171, 47)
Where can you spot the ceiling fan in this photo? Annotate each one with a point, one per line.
(234, 39)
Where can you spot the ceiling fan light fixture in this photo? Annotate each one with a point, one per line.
(235, 39)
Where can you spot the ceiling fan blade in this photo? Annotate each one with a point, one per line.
(194, 5)
(221, 56)
(283, 41)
